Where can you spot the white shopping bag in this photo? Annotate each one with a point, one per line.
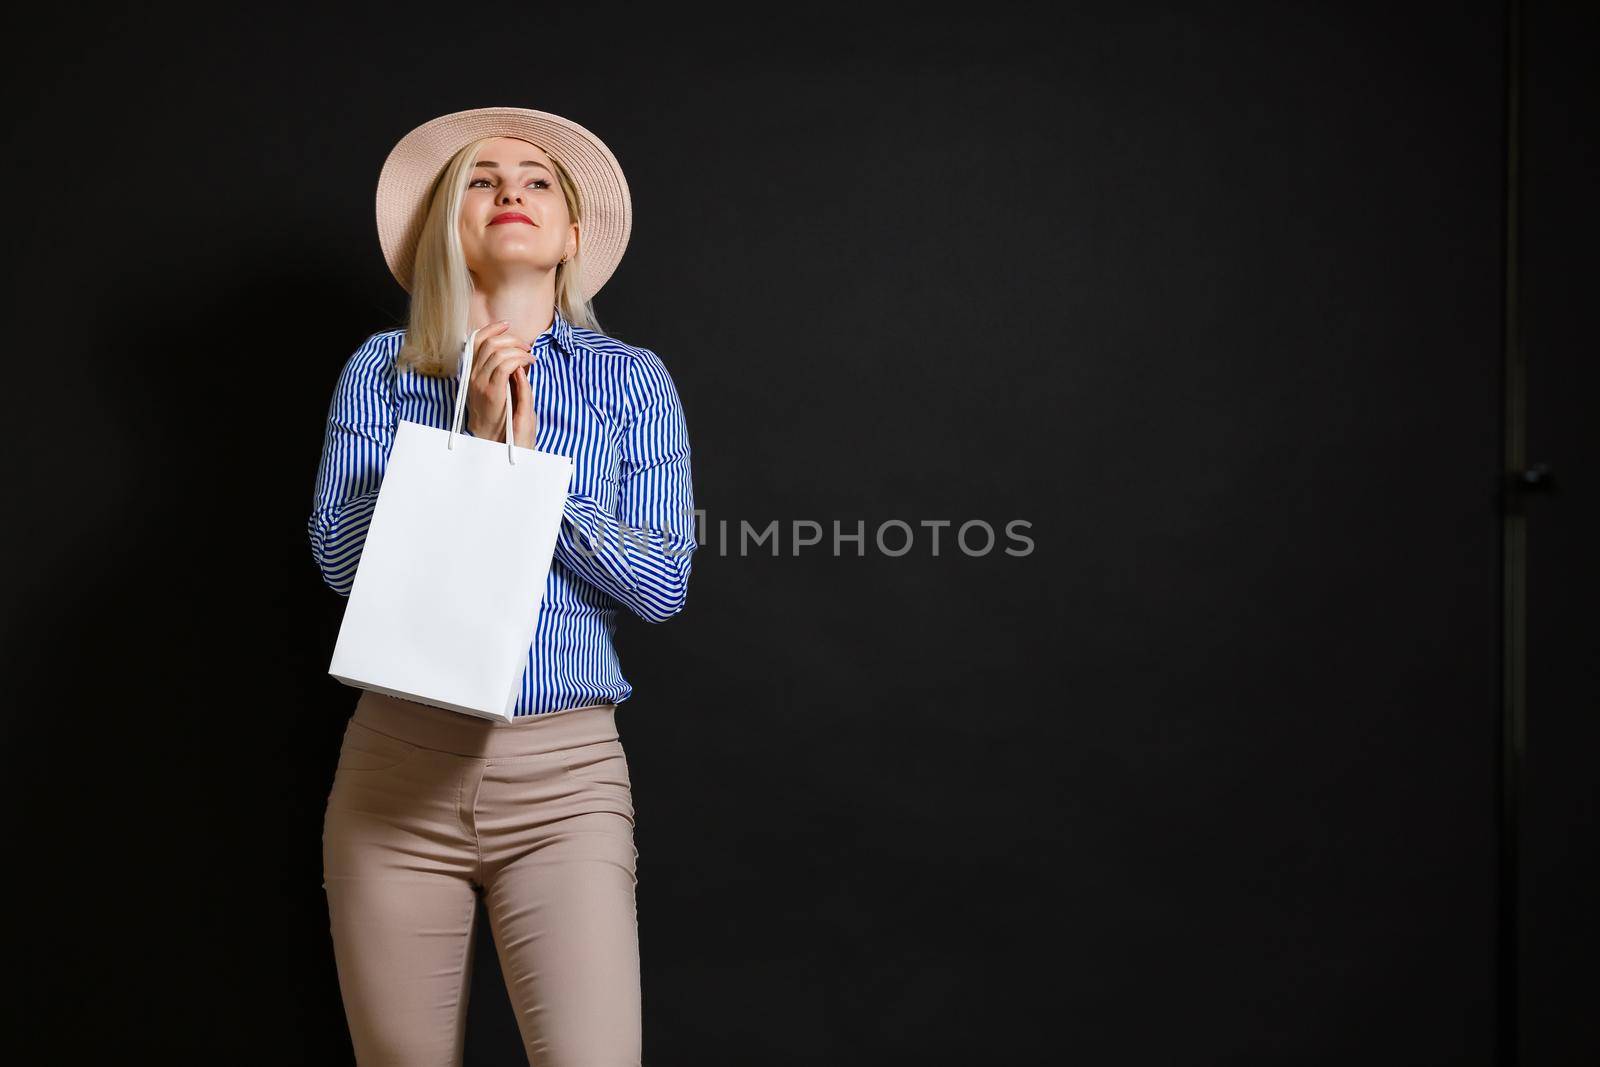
(447, 590)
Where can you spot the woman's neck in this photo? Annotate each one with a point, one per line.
(529, 309)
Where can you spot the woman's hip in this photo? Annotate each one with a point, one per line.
(460, 734)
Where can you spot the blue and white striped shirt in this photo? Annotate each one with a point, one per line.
(628, 534)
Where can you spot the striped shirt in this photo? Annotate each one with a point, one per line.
(628, 533)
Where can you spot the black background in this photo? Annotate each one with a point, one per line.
(1212, 296)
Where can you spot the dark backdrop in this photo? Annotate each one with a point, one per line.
(1209, 296)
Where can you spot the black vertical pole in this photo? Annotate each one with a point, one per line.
(1513, 696)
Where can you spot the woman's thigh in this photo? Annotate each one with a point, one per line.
(559, 888)
(397, 872)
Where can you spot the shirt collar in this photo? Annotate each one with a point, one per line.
(559, 332)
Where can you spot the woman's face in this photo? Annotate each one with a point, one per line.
(513, 216)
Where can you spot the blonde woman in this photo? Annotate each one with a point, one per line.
(506, 221)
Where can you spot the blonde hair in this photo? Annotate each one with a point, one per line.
(441, 285)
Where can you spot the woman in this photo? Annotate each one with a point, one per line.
(505, 221)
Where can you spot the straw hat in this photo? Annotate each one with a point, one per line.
(415, 163)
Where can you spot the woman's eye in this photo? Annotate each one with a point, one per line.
(543, 183)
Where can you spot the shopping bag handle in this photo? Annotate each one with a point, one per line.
(467, 352)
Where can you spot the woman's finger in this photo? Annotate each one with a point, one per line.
(504, 365)
(496, 366)
(524, 421)
(488, 346)
(488, 335)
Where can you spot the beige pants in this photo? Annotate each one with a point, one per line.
(430, 807)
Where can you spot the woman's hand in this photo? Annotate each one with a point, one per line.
(500, 357)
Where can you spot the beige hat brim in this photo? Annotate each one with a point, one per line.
(415, 163)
